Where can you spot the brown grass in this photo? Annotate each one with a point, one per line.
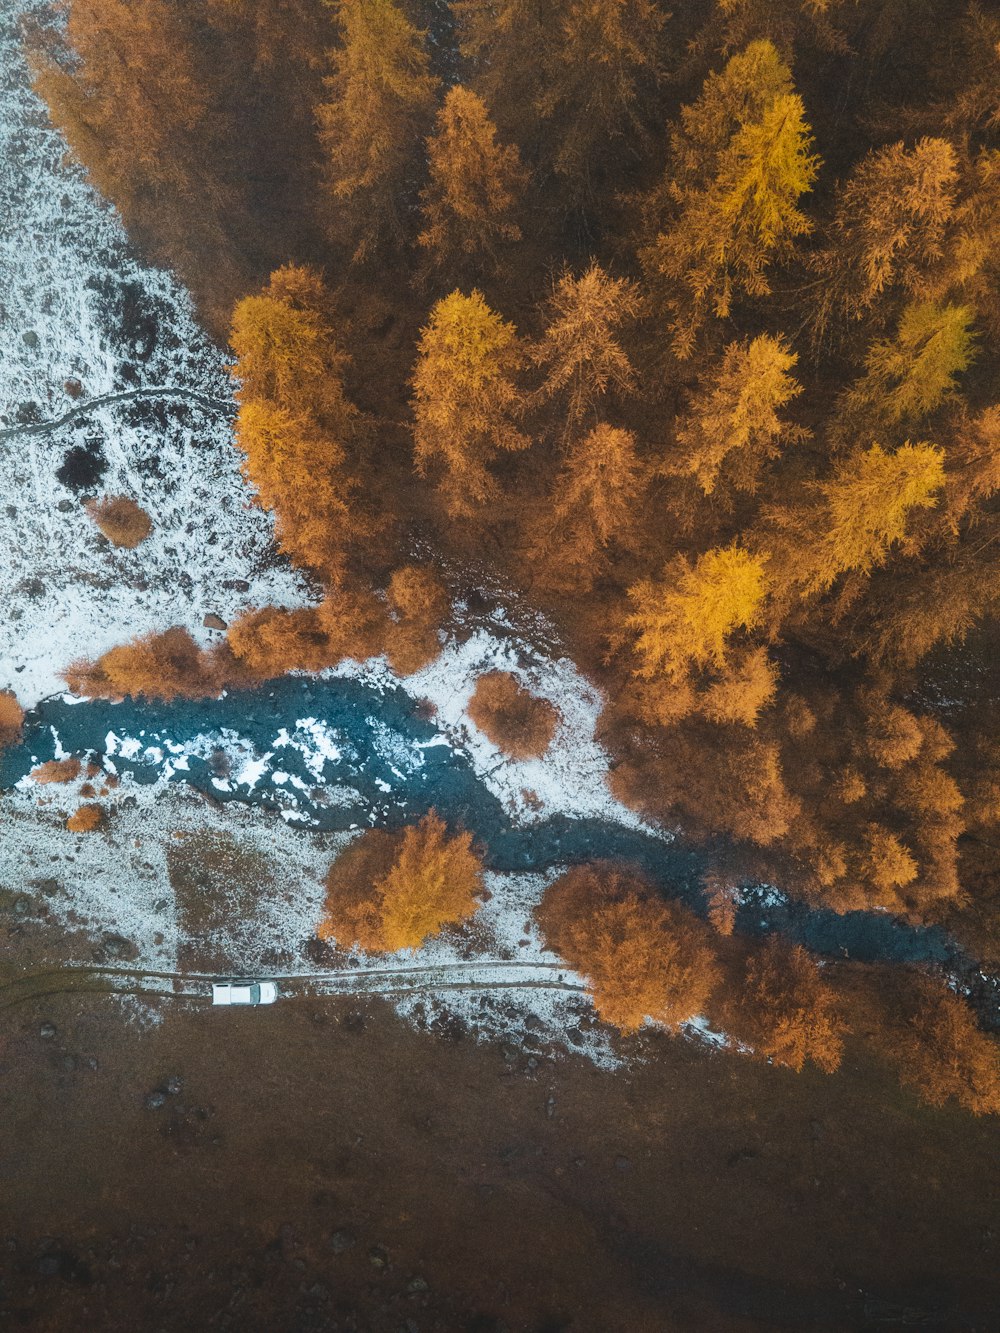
(122, 521)
(513, 718)
(86, 819)
(11, 718)
(57, 770)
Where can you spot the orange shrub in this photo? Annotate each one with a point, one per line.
(356, 623)
(938, 1050)
(11, 718)
(122, 521)
(786, 1012)
(643, 957)
(513, 719)
(391, 891)
(57, 770)
(419, 604)
(273, 640)
(158, 666)
(86, 819)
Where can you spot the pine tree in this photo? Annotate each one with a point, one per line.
(732, 427)
(372, 129)
(465, 400)
(580, 352)
(475, 185)
(740, 162)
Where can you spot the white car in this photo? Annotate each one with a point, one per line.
(244, 992)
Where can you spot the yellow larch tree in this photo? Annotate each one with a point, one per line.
(295, 421)
(643, 957)
(732, 425)
(466, 400)
(372, 129)
(786, 1012)
(684, 621)
(581, 352)
(740, 162)
(470, 202)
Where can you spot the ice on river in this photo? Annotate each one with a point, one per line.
(77, 305)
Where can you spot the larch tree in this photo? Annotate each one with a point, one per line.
(373, 127)
(475, 185)
(740, 163)
(11, 718)
(786, 1012)
(581, 353)
(295, 421)
(466, 400)
(592, 506)
(643, 957)
(863, 513)
(893, 216)
(939, 1051)
(685, 620)
(733, 424)
(502, 43)
(600, 64)
(388, 892)
(910, 375)
(135, 101)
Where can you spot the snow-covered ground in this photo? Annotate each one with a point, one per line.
(76, 305)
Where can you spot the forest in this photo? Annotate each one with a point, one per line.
(683, 321)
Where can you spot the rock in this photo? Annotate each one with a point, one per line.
(65, 506)
(69, 1063)
(211, 621)
(342, 1241)
(622, 1164)
(30, 338)
(173, 1085)
(417, 1284)
(47, 1031)
(550, 1108)
(378, 1257)
(155, 1100)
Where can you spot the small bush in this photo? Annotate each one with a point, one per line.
(122, 521)
(391, 891)
(514, 719)
(11, 718)
(158, 666)
(57, 770)
(86, 819)
(274, 640)
(419, 604)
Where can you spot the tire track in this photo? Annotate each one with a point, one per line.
(108, 399)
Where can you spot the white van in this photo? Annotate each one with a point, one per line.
(244, 992)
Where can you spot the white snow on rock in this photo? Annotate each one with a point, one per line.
(76, 304)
